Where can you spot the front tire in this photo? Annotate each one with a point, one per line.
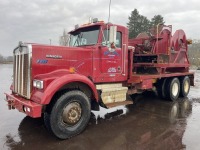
(70, 114)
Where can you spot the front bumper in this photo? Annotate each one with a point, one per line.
(28, 107)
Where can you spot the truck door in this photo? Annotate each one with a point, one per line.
(111, 59)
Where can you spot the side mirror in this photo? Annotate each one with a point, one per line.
(112, 34)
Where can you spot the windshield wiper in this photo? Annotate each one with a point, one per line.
(79, 36)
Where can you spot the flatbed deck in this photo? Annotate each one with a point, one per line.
(138, 78)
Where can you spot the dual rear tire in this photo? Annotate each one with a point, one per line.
(172, 88)
(185, 86)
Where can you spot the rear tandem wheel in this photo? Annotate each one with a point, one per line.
(172, 88)
(160, 86)
(185, 86)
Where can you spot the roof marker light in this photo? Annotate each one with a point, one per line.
(95, 20)
(76, 26)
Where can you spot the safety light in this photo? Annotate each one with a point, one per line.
(76, 26)
(95, 20)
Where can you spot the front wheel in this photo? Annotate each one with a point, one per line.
(70, 114)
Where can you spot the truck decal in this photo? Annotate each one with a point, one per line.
(42, 61)
(109, 53)
(54, 56)
(112, 69)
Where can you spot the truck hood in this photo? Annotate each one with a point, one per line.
(47, 58)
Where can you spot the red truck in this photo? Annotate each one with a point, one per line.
(101, 66)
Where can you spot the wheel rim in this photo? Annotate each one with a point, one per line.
(175, 89)
(72, 113)
(186, 86)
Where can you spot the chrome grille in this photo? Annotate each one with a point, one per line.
(22, 70)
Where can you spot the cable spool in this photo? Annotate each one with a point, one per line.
(178, 41)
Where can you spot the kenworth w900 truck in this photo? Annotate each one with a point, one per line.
(101, 66)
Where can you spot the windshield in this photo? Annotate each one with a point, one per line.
(86, 36)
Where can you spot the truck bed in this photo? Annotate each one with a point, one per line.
(138, 78)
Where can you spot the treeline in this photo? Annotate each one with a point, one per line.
(139, 23)
(6, 60)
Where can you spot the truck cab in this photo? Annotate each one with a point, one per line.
(109, 61)
(43, 74)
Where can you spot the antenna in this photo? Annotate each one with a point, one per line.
(109, 11)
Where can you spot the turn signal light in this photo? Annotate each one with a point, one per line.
(72, 70)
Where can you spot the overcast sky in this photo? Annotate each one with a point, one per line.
(38, 21)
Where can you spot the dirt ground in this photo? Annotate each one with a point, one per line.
(150, 123)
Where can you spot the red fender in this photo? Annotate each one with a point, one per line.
(44, 97)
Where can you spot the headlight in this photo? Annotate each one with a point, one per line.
(38, 84)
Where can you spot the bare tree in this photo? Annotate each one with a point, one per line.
(64, 39)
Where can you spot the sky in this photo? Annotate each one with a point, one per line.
(39, 21)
